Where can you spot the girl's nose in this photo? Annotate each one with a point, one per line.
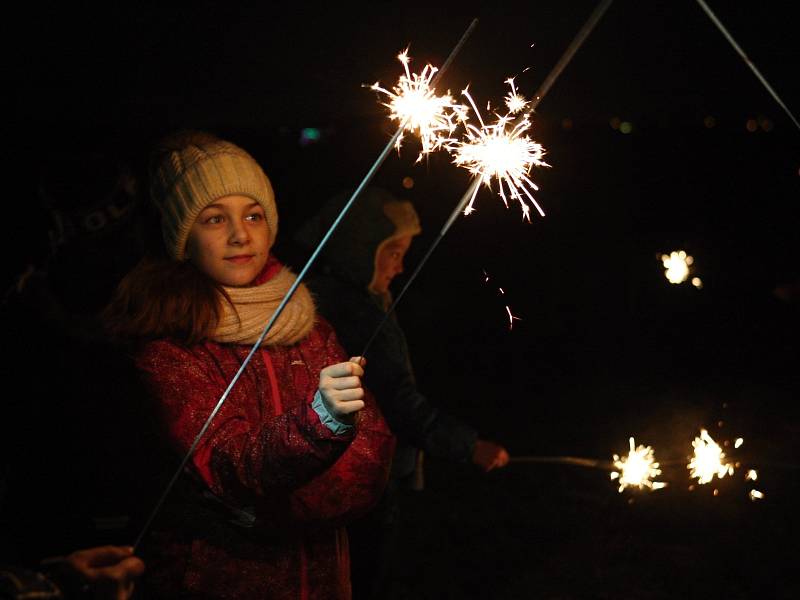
(238, 233)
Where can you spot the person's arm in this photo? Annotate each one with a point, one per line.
(242, 451)
(414, 417)
(355, 482)
(410, 413)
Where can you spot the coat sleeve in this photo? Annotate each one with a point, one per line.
(355, 482)
(243, 453)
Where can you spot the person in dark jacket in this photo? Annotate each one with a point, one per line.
(352, 291)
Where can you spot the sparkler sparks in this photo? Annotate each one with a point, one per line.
(415, 104)
(707, 459)
(511, 317)
(677, 265)
(514, 101)
(503, 151)
(637, 469)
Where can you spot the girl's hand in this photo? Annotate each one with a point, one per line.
(340, 387)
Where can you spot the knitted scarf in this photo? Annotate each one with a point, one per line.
(253, 307)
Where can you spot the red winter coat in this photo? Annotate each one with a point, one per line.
(266, 453)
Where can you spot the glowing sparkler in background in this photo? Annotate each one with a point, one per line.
(503, 151)
(707, 459)
(677, 265)
(637, 469)
(414, 102)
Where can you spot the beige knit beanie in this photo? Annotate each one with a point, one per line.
(192, 169)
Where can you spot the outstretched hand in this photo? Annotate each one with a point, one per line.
(488, 455)
(110, 571)
(341, 390)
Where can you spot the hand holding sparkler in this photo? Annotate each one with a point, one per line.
(488, 455)
(340, 389)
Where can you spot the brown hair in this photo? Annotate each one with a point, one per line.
(163, 298)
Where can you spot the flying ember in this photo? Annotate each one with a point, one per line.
(708, 459)
(415, 104)
(677, 265)
(503, 151)
(637, 469)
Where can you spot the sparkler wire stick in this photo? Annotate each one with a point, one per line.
(473, 188)
(564, 460)
(576, 43)
(747, 60)
(367, 178)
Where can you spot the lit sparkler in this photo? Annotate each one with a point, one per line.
(637, 469)
(708, 459)
(503, 151)
(677, 265)
(415, 103)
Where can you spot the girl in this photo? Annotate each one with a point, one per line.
(298, 447)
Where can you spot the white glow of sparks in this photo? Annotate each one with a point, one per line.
(514, 102)
(677, 265)
(752, 475)
(415, 104)
(738, 442)
(756, 495)
(708, 459)
(500, 151)
(637, 469)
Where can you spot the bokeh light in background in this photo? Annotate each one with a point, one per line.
(408, 182)
(309, 135)
(676, 265)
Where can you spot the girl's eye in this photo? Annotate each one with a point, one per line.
(255, 217)
(214, 220)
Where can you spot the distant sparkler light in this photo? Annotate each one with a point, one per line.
(413, 102)
(677, 265)
(637, 469)
(708, 460)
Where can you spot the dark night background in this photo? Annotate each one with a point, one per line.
(606, 348)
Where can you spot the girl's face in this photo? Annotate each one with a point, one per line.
(389, 263)
(229, 241)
